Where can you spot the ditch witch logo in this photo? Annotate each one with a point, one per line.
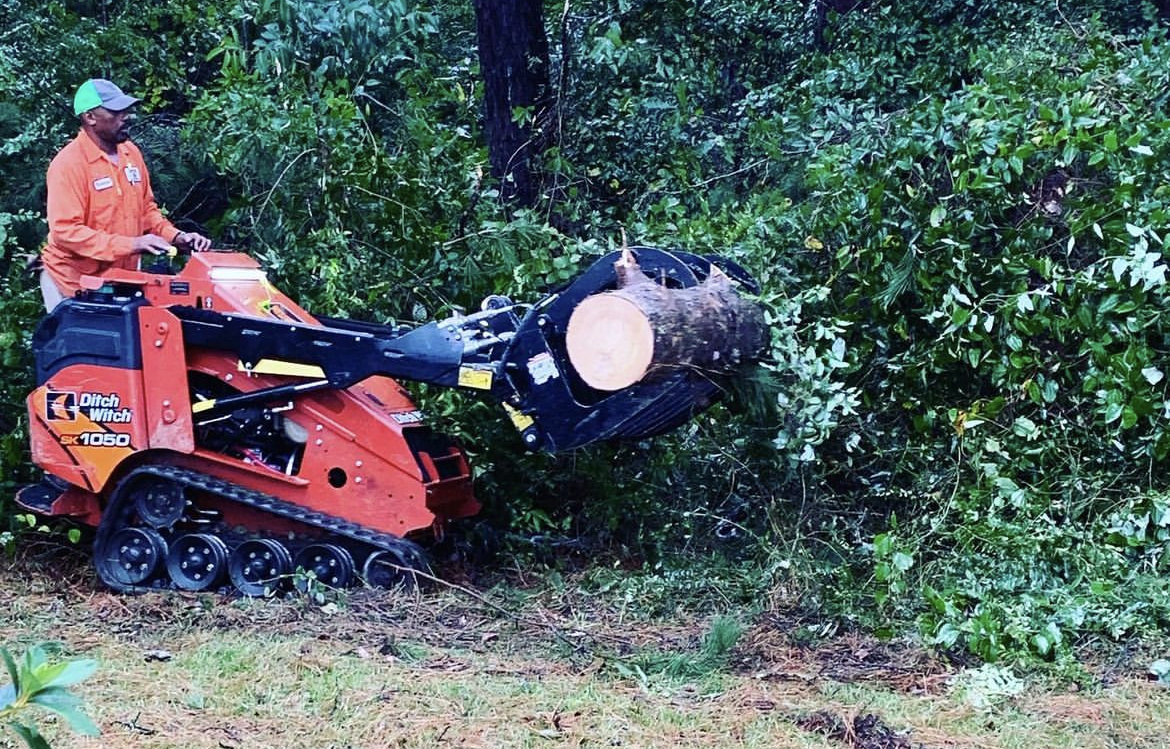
(99, 407)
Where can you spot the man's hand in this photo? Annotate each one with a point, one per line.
(151, 244)
(193, 241)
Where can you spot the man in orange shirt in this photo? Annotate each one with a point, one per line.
(101, 209)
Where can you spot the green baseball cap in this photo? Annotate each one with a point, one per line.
(98, 92)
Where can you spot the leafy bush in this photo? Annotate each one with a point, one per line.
(38, 682)
(996, 256)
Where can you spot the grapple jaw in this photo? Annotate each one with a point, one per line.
(555, 410)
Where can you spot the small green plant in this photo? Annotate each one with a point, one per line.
(38, 681)
(709, 659)
(987, 687)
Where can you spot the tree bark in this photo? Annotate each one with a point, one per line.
(514, 63)
(644, 329)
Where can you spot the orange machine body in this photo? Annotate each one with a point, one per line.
(121, 393)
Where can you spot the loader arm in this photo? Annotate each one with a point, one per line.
(511, 353)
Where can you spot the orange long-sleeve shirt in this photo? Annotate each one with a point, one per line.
(96, 208)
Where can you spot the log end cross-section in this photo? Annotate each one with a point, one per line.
(617, 338)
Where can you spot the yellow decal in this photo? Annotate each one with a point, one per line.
(287, 368)
(519, 420)
(480, 379)
(201, 406)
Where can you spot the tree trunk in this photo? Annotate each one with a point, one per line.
(642, 329)
(514, 63)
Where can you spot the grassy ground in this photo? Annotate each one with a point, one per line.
(521, 665)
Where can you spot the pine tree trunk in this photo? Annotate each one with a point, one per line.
(644, 329)
(514, 63)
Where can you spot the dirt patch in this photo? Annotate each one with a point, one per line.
(768, 651)
(858, 732)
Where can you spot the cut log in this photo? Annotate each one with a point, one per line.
(617, 338)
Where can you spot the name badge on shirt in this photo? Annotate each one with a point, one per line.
(133, 175)
(103, 183)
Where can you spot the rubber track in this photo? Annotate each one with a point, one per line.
(407, 550)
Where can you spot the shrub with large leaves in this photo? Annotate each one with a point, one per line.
(38, 682)
(998, 254)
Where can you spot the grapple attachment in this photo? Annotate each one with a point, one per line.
(552, 406)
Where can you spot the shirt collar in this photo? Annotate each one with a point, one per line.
(92, 152)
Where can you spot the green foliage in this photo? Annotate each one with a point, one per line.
(36, 681)
(996, 256)
(704, 661)
(348, 139)
(20, 303)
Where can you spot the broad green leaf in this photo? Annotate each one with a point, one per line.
(947, 635)
(47, 673)
(937, 214)
(10, 664)
(1119, 266)
(1042, 644)
(902, 561)
(1025, 427)
(32, 737)
(68, 706)
(36, 655)
(71, 672)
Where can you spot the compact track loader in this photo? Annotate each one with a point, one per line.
(213, 432)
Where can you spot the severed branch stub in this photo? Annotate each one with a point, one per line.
(617, 338)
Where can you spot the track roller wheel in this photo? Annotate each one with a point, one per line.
(329, 563)
(197, 561)
(396, 568)
(386, 569)
(129, 557)
(258, 566)
(160, 503)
